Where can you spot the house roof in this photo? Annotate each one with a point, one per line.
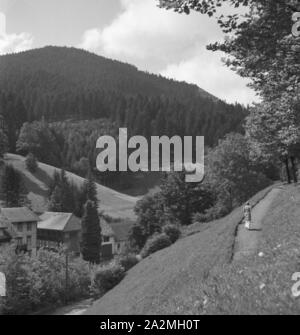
(121, 230)
(20, 214)
(59, 221)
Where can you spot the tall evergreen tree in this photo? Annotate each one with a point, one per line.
(63, 196)
(3, 143)
(55, 201)
(91, 234)
(87, 192)
(13, 190)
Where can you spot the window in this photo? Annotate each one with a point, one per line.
(20, 227)
(29, 226)
(105, 239)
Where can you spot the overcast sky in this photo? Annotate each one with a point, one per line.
(134, 31)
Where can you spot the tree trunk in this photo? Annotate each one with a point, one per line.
(294, 169)
(286, 161)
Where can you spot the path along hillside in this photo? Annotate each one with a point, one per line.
(201, 275)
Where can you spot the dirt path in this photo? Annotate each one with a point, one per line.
(247, 240)
(73, 309)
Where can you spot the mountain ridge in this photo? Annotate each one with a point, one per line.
(74, 54)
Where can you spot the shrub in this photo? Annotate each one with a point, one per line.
(36, 283)
(172, 231)
(128, 261)
(31, 163)
(214, 213)
(155, 243)
(106, 278)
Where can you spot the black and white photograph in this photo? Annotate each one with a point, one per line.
(149, 161)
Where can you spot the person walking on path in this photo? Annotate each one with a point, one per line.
(247, 215)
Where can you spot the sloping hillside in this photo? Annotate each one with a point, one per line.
(59, 83)
(52, 69)
(198, 274)
(114, 204)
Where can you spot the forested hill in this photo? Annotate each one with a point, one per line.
(59, 83)
(53, 70)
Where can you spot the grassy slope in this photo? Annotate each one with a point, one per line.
(260, 284)
(113, 203)
(169, 280)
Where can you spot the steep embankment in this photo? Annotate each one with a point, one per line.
(113, 203)
(173, 280)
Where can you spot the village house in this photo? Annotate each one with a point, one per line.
(107, 244)
(58, 229)
(114, 238)
(20, 225)
(121, 234)
(52, 230)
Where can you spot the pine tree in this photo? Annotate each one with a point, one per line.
(3, 143)
(55, 203)
(31, 163)
(91, 234)
(63, 195)
(87, 192)
(12, 188)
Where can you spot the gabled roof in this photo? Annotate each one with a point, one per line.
(121, 230)
(59, 221)
(20, 214)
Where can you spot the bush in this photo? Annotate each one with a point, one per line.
(129, 261)
(214, 213)
(155, 243)
(106, 278)
(172, 231)
(31, 163)
(36, 283)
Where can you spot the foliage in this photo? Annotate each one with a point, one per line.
(155, 243)
(3, 143)
(232, 173)
(13, 112)
(257, 47)
(38, 138)
(38, 282)
(58, 84)
(172, 231)
(31, 163)
(82, 167)
(107, 277)
(218, 211)
(12, 188)
(63, 196)
(87, 192)
(150, 214)
(128, 261)
(91, 234)
(273, 129)
(175, 203)
(261, 47)
(181, 199)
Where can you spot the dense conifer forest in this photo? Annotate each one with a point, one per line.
(66, 90)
